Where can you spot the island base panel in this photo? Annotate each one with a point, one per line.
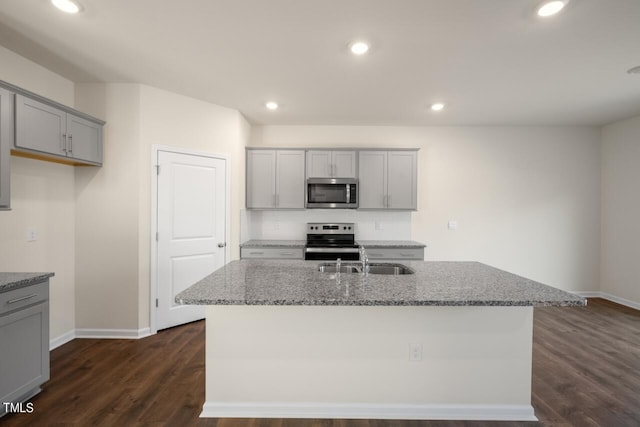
(356, 362)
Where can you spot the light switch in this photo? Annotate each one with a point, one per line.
(452, 224)
(32, 234)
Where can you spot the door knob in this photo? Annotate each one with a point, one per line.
(222, 244)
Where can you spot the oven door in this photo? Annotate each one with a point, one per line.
(331, 193)
(331, 253)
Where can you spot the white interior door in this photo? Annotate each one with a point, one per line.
(191, 229)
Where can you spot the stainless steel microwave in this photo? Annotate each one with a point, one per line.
(332, 193)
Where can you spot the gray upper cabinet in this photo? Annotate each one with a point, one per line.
(388, 180)
(6, 138)
(331, 164)
(44, 129)
(275, 179)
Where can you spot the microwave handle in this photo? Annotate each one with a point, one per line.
(348, 193)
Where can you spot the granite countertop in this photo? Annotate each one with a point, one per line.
(391, 244)
(11, 281)
(297, 282)
(273, 244)
(301, 243)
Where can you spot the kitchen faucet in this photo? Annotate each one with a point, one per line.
(364, 259)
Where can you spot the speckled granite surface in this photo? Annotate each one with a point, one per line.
(273, 244)
(391, 244)
(297, 282)
(11, 281)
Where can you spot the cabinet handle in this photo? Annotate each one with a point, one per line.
(63, 142)
(70, 143)
(405, 254)
(277, 200)
(13, 301)
(286, 253)
(375, 254)
(256, 253)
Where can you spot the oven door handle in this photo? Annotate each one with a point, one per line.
(331, 250)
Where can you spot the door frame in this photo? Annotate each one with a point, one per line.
(153, 253)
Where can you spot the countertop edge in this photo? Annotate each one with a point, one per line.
(29, 280)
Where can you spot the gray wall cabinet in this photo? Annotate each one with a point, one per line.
(388, 180)
(275, 179)
(331, 164)
(46, 129)
(6, 138)
(24, 342)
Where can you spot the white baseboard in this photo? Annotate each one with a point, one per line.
(609, 297)
(368, 411)
(100, 334)
(113, 333)
(62, 339)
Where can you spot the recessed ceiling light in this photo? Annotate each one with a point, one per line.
(271, 105)
(438, 106)
(550, 8)
(68, 6)
(359, 48)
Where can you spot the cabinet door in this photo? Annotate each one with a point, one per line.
(344, 164)
(261, 179)
(40, 127)
(24, 351)
(319, 164)
(372, 182)
(402, 180)
(6, 140)
(290, 180)
(84, 139)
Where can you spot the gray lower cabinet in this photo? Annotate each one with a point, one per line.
(6, 138)
(24, 342)
(388, 180)
(275, 179)
(376, 254)
(42, 128)
(271, 253)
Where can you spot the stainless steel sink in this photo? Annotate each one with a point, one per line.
(391, 269)
(374, 268)
(330, 267)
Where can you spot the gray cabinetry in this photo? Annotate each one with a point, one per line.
(271, 253)
(378, 254)
(45, 129)
(24, 342)
(275, 179)
(331, 164)
(6, 138)
(388, 180)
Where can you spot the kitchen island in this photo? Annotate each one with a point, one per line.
(452, 341)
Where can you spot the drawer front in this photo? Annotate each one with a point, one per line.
(24, 297)
(271, 253)
(396, 253)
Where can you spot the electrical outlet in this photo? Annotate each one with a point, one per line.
(415, 352)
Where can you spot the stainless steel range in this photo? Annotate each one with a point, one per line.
(331, 241)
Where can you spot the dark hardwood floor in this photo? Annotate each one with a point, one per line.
(586, 372)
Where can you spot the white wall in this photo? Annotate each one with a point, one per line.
(113, 203)
(527, 199)
(620, 252)
(42, 197)
(107, 213)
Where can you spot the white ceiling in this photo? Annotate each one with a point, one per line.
(491, 61)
